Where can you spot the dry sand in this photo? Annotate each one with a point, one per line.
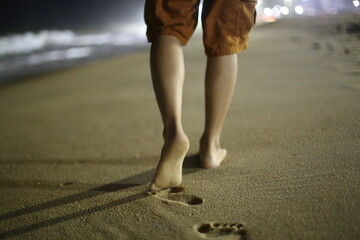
(79, 147)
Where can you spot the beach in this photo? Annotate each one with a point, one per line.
(79, 147)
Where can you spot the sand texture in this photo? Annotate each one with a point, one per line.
(79, 147)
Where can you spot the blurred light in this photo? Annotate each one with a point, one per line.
(333, 10)
(284, 10)
(299, 10)
(259, 2)
(356, 3)
(276, 11)
(268, 12)
(288, 2)
(200, 11)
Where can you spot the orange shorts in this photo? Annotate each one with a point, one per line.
(226, 23)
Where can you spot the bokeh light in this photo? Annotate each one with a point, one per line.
(268, 12)
(299, 10)
(276, 11)
(284, 10)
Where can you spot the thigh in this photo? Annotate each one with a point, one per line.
(226, 24)
(171, 17)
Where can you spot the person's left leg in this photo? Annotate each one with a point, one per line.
(167, 69)
(170, 24)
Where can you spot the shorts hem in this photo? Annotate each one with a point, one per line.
(226, 51)
(167, 32)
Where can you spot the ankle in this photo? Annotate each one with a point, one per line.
(172, 130)
(175, 134)
(207, 143)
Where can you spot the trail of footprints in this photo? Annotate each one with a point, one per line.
(207, 230)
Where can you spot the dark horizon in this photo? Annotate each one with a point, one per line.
(18, 16)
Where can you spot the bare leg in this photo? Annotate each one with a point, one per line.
(167, 69)
(221, 74)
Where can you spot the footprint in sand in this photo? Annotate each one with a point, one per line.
(177, 195)
(221, 231)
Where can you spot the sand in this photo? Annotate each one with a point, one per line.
(79, 147)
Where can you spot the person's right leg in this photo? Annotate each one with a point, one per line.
(226, 25)
(221, 74)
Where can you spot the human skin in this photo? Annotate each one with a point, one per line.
(168, 71)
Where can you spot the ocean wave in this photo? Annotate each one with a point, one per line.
(29, 42)
(31, 53)
(71, 53)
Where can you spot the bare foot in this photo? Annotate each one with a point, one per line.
(211, 156)
(169, 170)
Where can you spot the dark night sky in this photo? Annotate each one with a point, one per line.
(34, 15)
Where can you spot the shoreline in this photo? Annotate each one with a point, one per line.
(50, 67)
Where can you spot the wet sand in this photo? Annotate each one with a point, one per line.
(79, 147)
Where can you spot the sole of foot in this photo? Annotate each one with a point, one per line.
(169, 170)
